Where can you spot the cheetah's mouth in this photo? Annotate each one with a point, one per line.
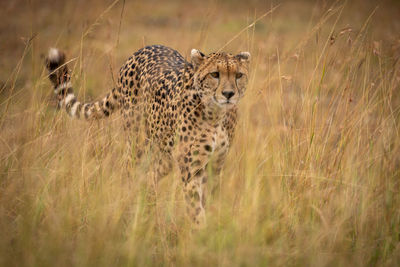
(222, 104)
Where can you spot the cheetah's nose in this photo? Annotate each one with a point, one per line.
(228, 94)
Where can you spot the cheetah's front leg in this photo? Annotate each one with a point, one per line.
(194, 191)
(193, 163)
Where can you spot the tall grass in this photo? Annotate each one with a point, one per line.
(313, 176)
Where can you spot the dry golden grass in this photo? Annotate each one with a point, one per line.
(313, 177)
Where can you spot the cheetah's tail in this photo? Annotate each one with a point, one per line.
(60, 77)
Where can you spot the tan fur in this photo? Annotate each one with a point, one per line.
(186, 110)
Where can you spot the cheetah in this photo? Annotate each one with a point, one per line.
(187, 110)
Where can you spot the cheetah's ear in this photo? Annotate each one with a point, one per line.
(244, 57)
(197, 58)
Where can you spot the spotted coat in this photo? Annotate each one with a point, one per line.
(185, 112)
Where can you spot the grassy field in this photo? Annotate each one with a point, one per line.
(312, 179)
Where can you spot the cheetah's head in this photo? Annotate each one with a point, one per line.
(220, 78)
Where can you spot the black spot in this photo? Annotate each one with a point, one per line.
(199, 172)
(196, 163)
(198, 211)
(86, 109)
(52, 65)
(71, 103)
(67, 91)
(208, 148)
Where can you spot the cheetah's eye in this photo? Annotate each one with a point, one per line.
(215, 74)
(239, 75)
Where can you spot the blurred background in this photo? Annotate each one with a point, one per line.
(313, 176)
(110, 31)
